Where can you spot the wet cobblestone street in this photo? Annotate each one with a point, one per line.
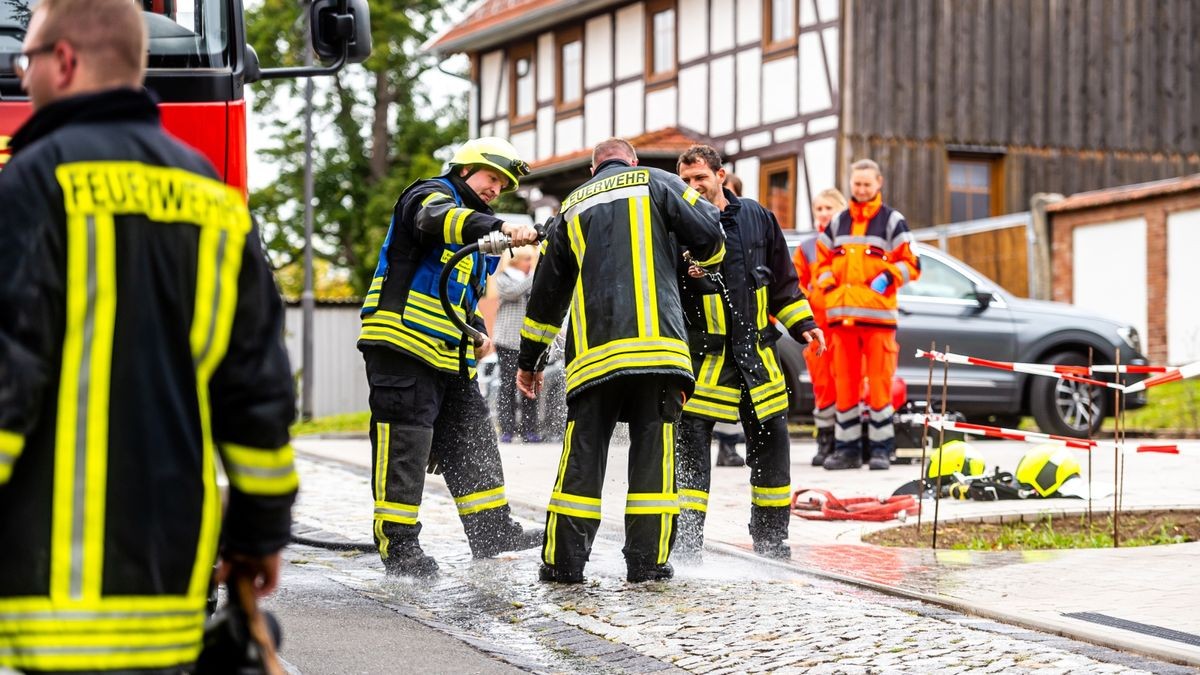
(731, 614)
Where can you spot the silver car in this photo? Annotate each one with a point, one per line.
(964, 312)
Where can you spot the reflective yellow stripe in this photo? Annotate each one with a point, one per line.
(668, 487)
(651, 503)
(481, 501)
(383, 440)
(711, 409)
(452, 228)
(760, 297)
(574, 505)
(261, 471)
(10, 448)
(395, 512)
(385, 326)
(538, 332)
(552, 518)
(432, 196)
(696, 500)
(690, 196)
(628, 353)
(716, 257)
(771, 496)
(578, 306)
(714, 314)
(794, 313)
(642, 247)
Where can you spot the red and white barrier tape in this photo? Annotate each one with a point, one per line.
(1069, 373)
(936, 422)
(1181, 373)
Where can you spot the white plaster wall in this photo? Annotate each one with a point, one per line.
(828, 9)
(803, 199)
(721, 107)
(722, 23)
(749, 87)
(597, 117)
(631, 41)
(500, 128)
(1095, 286)
(660, 109)
(692, 28)
(821, 124)
(790, 132)
(525, 143)
(597, 51)
(808, 12)
(568, 135)
(629, 109)
(693, 107)
(747, 170)
(546, 56)
(820, 158)
(779, 90)
(1183, 278)
(814, 88)
(756, 141)
(832, 49)
(491, 78)
(749, 21)
(545, 132)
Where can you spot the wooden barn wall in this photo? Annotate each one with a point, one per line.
(1077, 94)
(1000, 254)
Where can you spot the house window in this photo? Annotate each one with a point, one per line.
(660, 40)
(523, 103)
(779, 26)
(777, 190)
(973, 188)
(569, 95)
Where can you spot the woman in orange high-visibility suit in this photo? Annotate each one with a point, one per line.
(820, 366)
(863, 257)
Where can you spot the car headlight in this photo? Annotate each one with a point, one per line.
(1129, 336)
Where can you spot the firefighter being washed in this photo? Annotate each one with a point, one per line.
(426, 409)
(732, 343)
(611, 259)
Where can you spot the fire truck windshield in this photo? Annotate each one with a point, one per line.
(185, 34)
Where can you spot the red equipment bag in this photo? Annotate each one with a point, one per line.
(821, 505)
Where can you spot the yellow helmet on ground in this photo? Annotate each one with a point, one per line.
(493, 152)
(955, 457)
(1046, 467)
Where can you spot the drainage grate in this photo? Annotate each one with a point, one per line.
(1143, 628)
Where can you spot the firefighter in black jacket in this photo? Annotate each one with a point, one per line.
(426, 408)
(141, 335)
(611, 258)
(735, 360)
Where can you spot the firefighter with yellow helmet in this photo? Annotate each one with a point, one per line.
(426, 408)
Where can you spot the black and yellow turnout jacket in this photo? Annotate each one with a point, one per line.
(611, 257)
(732, 338)
(141, 335)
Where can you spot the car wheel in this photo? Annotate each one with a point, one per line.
(1066, 408)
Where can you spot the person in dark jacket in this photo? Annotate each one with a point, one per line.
(611, 259)
(737, 367)
(141, 337)
(426, 408)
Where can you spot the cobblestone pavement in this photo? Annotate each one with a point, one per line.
(732, 614)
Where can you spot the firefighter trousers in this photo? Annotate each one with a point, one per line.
(876, 347)
(423, 418)
(768, 454)
(820, 371)
(651, 405)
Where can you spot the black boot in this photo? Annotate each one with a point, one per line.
(844, 459)
(824, 446)
(640, 573)
(407, 559)
(487, 541)
(560, 575)
(880, 459)
(727, 454)
(773, 548)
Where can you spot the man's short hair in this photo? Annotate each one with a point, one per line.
(613, 148)
(112, 30)
(865, 164)
(733, 183)
(701, 153)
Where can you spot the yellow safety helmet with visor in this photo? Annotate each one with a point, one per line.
(493, 152)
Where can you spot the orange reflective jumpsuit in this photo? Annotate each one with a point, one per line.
(863, 257)
(820, 367)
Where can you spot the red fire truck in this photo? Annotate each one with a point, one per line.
(199, 65)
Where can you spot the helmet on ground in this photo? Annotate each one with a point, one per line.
(955, 457)
(493, 152)
(1045, 468)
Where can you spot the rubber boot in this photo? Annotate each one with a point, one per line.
(559, 575)
(879, 459)
(727, 454)
(844, 458)
(639, 573)
(492, 535)
(407, 559)
(824, 446)
(773, 548)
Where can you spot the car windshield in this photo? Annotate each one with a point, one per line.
(184, 34)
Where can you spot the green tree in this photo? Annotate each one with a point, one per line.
(376, 132)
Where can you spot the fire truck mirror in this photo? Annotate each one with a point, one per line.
(338, 25)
